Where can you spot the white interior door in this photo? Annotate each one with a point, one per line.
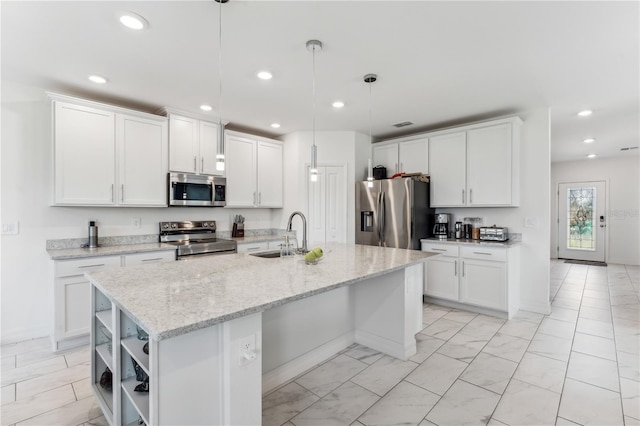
(582, 221)
(327, 201)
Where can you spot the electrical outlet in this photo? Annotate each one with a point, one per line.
(136, 222)
(247, 349)
(12, 228)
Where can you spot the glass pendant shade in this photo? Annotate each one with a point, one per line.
(220, 154)
(314, 163)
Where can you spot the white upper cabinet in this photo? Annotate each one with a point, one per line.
(254, 171)
(193, 145)
(107, 156)
(408, 155)
(447, 162)
(142, 145)
(85, 155)
(476, 165)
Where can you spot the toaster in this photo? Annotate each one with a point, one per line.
(494, 233)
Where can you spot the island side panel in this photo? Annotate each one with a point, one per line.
(388, 312)
(301, 334)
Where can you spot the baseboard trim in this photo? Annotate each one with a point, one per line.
(386, 346)
(73, 342)
(281, 375)
(630, 262)
(465, 307)
(21, 334)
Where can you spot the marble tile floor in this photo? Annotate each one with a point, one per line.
(577, 366)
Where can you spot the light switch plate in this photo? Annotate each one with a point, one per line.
(12, 228)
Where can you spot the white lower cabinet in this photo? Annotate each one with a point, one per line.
(253, 247)
(486, 277)
(71, 301)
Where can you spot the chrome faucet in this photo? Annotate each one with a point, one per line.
(303, 249)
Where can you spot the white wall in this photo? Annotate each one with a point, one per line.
(621, 175)
(534, 203)
(26, 154)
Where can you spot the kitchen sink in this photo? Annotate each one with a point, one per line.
(267, 254)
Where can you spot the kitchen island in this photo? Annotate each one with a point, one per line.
(224, 329)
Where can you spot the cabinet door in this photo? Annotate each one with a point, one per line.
(442, 277)
(253, 247)
(183, 144)
(240, 159)
(143, 167)
(447, 158)
(209, 149)
(386, 155)
(489, 166)
(84, 145)
(414, 156)
(269, 173)
(484, 283)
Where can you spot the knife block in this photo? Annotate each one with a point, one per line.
(237, 230)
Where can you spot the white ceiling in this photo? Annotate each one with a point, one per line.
(438, 63)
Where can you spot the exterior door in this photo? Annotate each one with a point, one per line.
(582, 221)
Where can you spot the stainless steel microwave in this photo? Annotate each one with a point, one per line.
(187, 189)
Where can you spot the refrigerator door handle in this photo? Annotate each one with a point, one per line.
(379, 218)
(383, 224)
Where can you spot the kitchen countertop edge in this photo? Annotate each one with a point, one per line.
(503, 244)
(85, 252)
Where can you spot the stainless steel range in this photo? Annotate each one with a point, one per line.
(195, 238)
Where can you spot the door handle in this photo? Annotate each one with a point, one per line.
(470, 196)
(112, 199)
(463, 268)
(195, 162)
(202, 165)
(603, 226)
(383, 222)
(122, 192)
(259, 198)
(455, 269)
(462, 195)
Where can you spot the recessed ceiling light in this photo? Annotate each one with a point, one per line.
(585, 113)
(265, 75)
(275, 125)
(98, 79)
(206, 107)
(589, 140)
(133, 21)
(591, 156)
(337, 104)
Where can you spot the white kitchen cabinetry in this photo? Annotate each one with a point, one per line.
(107, 156)
(474, 275)
(71, 293)
(71, 299)
(476, 165)
(408, 155)
(253, 247)
(193, 145)
(254, 171)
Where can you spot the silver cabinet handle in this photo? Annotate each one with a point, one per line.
(396, 168)
(259, 198)
(194, 164)
(112, 199)
(122, 192)
(463, 268)
(152, 260)
(455, 269)
(253, 248)
(470, 196)
(437, 249)
(462, 195)
(202, 165)
(254, 198)
(480, 252)
(91, 266)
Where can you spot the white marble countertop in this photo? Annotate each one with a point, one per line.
(170, 299)
(503, 244)
(79, 253)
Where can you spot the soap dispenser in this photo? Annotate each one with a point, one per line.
(93, 234)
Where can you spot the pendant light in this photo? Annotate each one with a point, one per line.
(370, 79)
(314, 46)
(220, 154)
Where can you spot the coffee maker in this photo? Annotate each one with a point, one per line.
(441, 228)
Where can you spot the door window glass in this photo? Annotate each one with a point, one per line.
(581, 218)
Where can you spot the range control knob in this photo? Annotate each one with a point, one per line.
(174, 226)
(205, 224)
(165, 226)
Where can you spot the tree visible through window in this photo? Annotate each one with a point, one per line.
(580, 231)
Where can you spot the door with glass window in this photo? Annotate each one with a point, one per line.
(582, 221)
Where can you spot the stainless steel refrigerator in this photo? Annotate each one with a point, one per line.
(393, 213)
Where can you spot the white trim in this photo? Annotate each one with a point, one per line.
(24, 333)
(386, 346)
(293, 368)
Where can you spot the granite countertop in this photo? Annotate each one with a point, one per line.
(170, 299)
(505, 244)
(82, 252)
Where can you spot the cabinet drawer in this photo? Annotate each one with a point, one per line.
(253, 247)
(150, 257)
(443, 249)
(484, 253)
(66, 268)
